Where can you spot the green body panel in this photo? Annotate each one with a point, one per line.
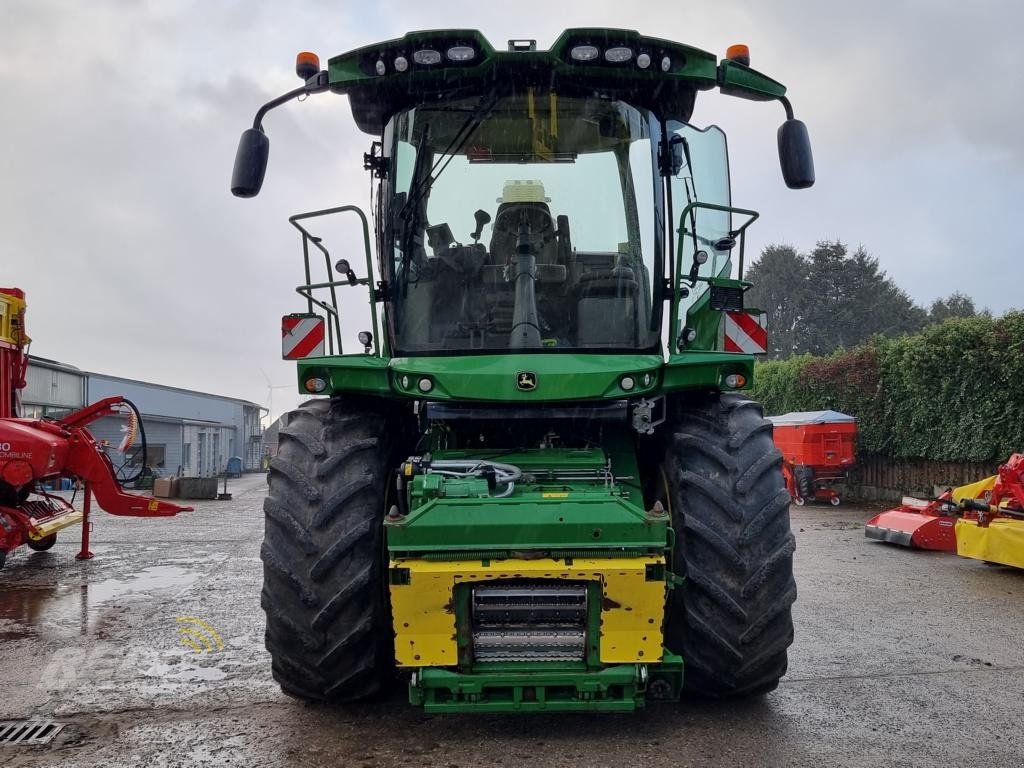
(735, 79)
(704, 370)
(363, 373)
(561, 377)
(589, 516)
(545, 687)
(348, 70)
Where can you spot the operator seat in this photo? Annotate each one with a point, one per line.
(606, 312)
(522, 202)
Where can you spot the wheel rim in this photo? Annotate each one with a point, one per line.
(798, 500)
(835, 501)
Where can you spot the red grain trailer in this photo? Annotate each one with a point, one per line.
(818, 449)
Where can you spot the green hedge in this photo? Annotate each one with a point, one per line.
(954, 392)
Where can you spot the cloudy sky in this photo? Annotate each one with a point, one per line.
(120, 120)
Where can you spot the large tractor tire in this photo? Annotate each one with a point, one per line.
(804, 477)
(328, 628)
(730, 620)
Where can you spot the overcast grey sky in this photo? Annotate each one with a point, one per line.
(120, 121)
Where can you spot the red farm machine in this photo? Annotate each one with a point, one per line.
(818, 449)
(983, 520)
(34, 451)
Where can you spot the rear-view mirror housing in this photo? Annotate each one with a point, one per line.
(250, 163)
(795, 156)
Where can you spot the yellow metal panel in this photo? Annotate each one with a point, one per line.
(974, 490)
(10, 308)
(424, 609)
(40, 530)
(1001, 542)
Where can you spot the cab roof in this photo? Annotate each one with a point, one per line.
(428, 66)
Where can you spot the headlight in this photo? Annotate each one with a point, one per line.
(618, 55)
(461, 53)
(584, 53)
(427, 56)
(315, 385)
(401, 64)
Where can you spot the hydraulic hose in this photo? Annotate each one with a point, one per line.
(504, 473)
(142, 439)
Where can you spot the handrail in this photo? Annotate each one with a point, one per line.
(306, 290)
(673, 331)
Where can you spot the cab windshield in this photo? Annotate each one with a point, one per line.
(524, 223)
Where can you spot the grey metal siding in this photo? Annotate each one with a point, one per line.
(165, 433)
(52, 387)
(163, 401)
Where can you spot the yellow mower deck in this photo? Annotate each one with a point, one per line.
(1001, 542)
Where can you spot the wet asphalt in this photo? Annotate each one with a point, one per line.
(901, 658)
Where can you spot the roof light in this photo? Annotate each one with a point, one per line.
(739, 53)
(618, 55)
(427, 56)
(401, 64)
(666, 64)
(584, 53)
(366, 339)
(307, 64)
(461, 53)
(643, 61)
(380, 67)
(701, 257)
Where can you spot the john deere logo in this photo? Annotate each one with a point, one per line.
(526, 381)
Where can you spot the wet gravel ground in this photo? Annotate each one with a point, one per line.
(901, 658)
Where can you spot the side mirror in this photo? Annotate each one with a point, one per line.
(795, 155)
(250, 163)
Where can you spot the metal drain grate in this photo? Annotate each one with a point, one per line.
(28, 733)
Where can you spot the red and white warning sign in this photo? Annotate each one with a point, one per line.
(302, 336)
(746, 332)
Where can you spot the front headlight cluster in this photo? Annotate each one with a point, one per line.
(616, 54)
(426, 57)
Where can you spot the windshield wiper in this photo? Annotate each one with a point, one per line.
(410, 213)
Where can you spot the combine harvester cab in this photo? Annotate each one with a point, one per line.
(535, 485)
(818, 449)
(34, 451)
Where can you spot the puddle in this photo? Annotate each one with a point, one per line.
(25, 610)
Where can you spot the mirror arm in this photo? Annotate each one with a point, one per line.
(788, 107)
(316, 84)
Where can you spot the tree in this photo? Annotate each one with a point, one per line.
(827, 300)
(955, 305)
(780, 289)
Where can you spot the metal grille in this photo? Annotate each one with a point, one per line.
(28, 733)
(529, 621)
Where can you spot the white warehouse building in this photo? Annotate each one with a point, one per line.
(188, 433)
